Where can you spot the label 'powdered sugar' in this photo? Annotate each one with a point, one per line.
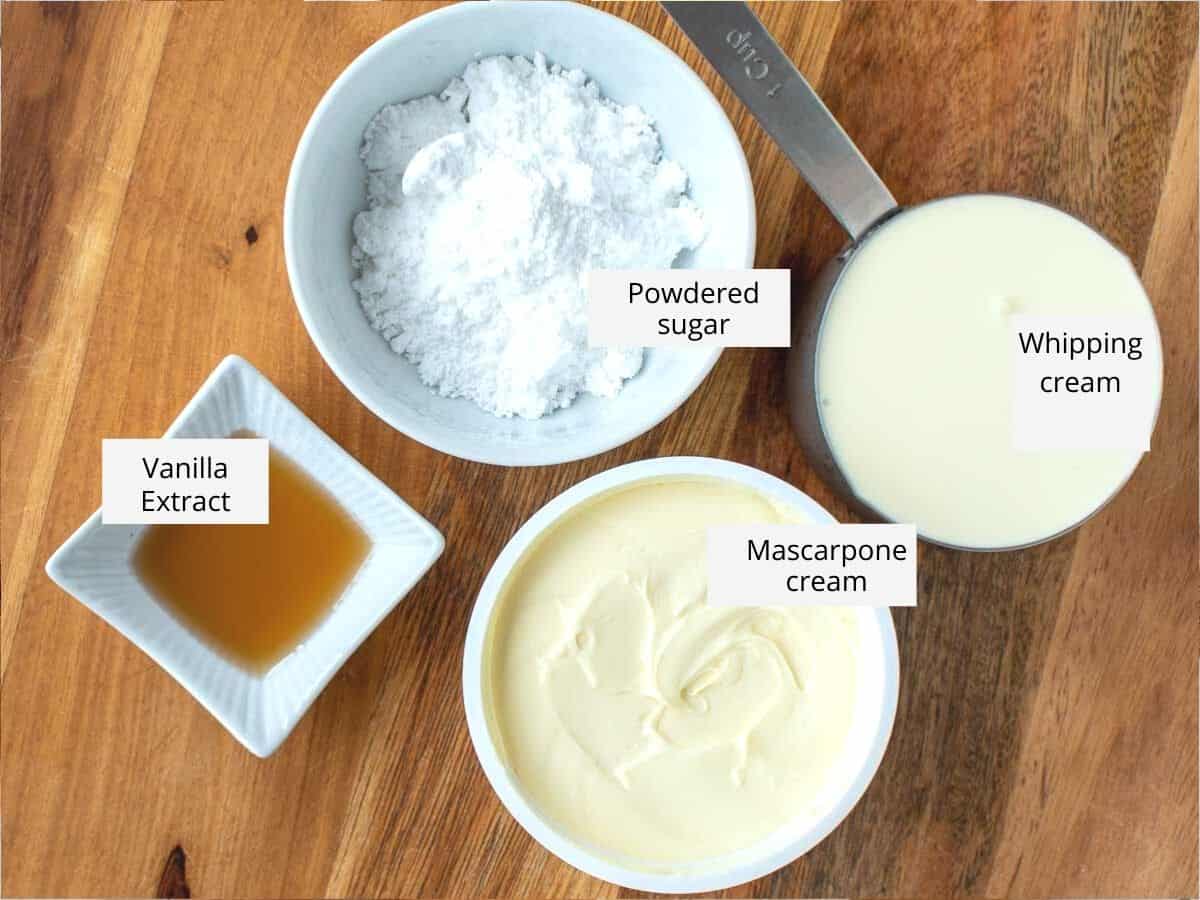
(487, 207)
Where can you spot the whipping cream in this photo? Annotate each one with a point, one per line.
(915, 376)
(639, 719)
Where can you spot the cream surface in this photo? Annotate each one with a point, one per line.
(642, 721)
(914, 368)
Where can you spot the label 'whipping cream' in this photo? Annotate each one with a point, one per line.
(919, 360)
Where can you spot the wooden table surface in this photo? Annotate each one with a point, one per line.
(1046, 738)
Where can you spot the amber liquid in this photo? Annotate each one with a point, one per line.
(254, 592)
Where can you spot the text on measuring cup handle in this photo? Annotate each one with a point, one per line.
(755, 67)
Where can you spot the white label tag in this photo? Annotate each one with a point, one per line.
(1083, 382)
(812, 565)
(690, 308)
(185, 481)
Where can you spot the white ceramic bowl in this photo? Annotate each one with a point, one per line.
(326, 189)
(95, 565)
(875, 707)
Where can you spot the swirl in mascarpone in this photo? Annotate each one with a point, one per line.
(639, 719)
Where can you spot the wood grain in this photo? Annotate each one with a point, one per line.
(1046, 741)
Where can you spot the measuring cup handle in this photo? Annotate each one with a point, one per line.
(745, 55)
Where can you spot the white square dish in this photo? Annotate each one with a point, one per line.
(260, 710)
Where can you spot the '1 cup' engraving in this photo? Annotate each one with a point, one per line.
(755, 67)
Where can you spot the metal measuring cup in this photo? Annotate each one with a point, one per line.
(744, 54)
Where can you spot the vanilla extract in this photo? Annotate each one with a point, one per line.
(253, 592)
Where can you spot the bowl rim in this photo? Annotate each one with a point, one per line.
(746, 865)
(584, 444)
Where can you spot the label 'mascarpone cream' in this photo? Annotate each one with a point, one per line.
(644, 721)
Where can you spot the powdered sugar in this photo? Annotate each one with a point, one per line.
(487, 206)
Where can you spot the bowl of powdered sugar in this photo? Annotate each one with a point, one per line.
(453, 189)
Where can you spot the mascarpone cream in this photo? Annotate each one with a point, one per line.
(641, 720)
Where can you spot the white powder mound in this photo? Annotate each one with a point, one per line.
(487, 206)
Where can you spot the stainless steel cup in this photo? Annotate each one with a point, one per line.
(745, 55)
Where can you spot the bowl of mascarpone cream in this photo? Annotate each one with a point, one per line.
(453, 190)
(643, 736)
